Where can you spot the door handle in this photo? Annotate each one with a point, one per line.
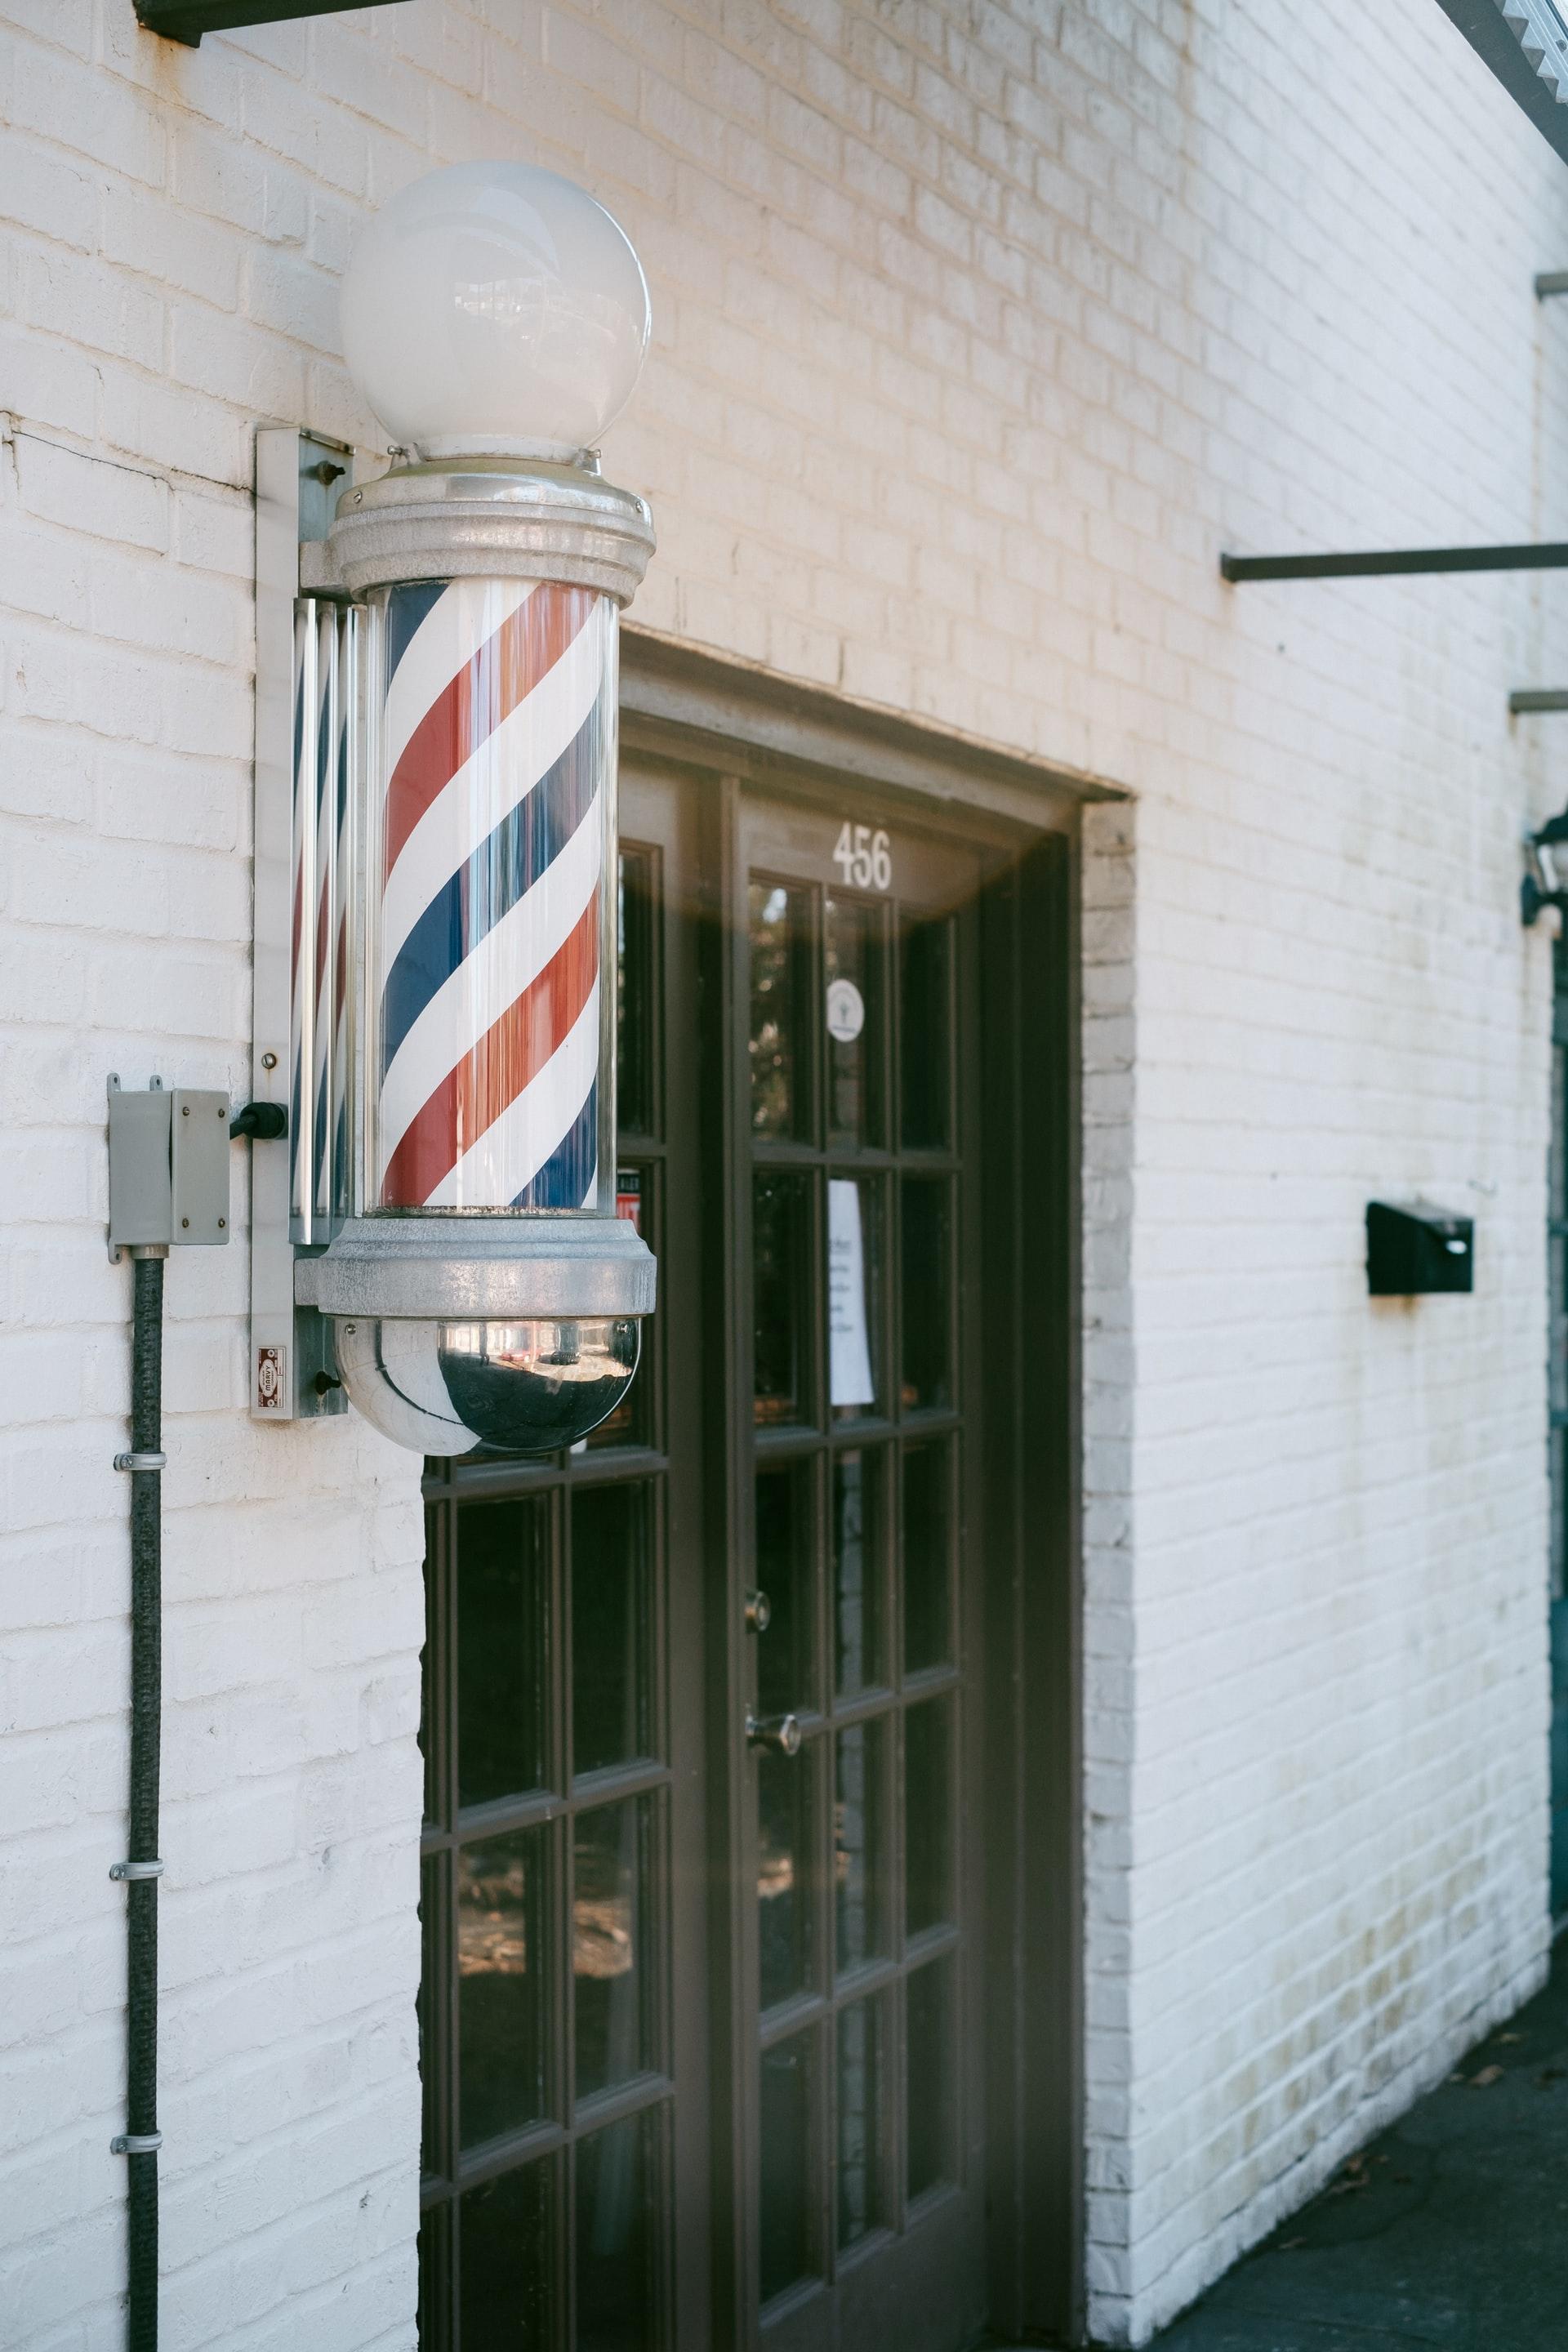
(781, 1733)
(758, 1612)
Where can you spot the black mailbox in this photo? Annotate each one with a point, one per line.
(1411, 1248)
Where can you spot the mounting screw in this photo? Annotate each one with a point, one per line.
(185, 1110)
(185, 1221)
(270, 1061)
(221, 1222)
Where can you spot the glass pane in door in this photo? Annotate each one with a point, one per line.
(858, 1599)
(786, 2249)
(500, 1982)
(861, 2120)
(506, 2249)
(617, 2299)
(610, 1957)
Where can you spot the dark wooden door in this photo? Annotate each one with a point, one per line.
(703, 2015)
(851, 1215)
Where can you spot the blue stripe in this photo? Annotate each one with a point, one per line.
(563, 1178)
(527, 840)
(406, 608)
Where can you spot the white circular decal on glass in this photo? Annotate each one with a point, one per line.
(845, 1011)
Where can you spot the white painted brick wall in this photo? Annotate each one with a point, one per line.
(981, 329)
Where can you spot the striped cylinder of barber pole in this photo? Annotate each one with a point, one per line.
(492, 971)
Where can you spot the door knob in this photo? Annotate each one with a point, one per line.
(758, 1612)
(780, 1732)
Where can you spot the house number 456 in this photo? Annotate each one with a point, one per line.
(864, 858)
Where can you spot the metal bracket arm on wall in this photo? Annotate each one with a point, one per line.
(187, 20)
(1543, 555)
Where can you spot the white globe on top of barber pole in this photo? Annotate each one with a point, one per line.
(495, 318)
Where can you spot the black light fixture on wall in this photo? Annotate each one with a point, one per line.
(187, 20)
(1545, 882)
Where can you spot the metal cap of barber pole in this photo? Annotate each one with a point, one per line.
(485, 1291)
(488, 518)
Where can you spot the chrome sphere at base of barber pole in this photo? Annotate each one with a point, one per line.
(518, 1386)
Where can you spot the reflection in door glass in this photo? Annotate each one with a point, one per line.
(502, 1573)
(609, 1943)
(617, 2283)
(859, 2133)
(927, 1322)
(635, 1008)
(500, 1984)
(858, 1849)
(929, 2038)
(611, 1636)
(784, 2189)
(781, 1256)
(925, 1009)
(859, 1487)
(928, 1815)
(780, 935)
(785, 1544)
(430, 1925)
(927, 1524)
(504, 2262)
(854, 1021)
(783, 1874)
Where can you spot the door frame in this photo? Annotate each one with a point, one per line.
(736, 727)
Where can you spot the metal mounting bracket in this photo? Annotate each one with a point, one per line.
(301, 1051)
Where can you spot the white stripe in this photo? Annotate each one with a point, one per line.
(463, 617)
(489, 784)
(512, 1152)
(491, 978)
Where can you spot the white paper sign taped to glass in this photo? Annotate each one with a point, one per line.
(849, 1331)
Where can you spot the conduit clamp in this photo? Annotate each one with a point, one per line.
(134, 1870)
(136, 2144)
(141, 1461)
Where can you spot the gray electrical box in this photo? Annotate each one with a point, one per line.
(168, 1166)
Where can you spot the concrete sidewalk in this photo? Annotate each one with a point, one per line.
(1451, 2230)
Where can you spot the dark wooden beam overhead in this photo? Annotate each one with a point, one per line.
(187, 20)
(1525, 42)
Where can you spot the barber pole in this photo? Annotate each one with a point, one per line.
(494, 966)
(482, 1288)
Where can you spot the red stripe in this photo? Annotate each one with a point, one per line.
(492, 1075)
(485, 690)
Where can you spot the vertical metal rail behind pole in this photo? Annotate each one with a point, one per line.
(272, 1366)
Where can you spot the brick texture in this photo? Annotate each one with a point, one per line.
(981, 329)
